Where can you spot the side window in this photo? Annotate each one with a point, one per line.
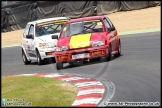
(31, 30)
(26, 30)
(62, 32)
(65, 31)
(106, 23)
(109, 21)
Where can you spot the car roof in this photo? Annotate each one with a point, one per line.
(48, 19)
(86, 18)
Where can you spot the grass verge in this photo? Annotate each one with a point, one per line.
(41, 91)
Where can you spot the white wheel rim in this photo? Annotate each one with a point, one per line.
(24, 57)
(38, 59)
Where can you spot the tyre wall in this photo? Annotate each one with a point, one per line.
(16, 14)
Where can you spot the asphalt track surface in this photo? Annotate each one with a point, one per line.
(136, 74)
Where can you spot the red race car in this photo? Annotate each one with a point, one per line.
(87, 38)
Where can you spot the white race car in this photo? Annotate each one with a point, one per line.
(37, 43)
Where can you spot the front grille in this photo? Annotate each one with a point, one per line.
(80, 52)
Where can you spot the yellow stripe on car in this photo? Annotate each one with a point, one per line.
(80, 41)
(55, 21)
(45, 23)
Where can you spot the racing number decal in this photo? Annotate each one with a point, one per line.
(28, 47)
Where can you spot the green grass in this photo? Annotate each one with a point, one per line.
(41, 91)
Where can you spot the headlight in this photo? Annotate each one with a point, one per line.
(61, 48)
(50, 45)
(42, 45)
(46, 45)
(98, 43)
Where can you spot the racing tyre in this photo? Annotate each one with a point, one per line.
(39, 60)
(59, 65)
(25, 60)
(110, 55)
(119, 51)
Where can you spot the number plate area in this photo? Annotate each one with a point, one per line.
(75, 56)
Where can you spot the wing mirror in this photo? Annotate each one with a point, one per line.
(54, 36)
(30, 36)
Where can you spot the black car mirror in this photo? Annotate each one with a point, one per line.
(30, 36)
(54, 36)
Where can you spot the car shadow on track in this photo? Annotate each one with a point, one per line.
(46, 62)
(93, 61)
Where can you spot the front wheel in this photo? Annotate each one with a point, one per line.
(59, 65)
(25, 60)
(110, 54)
(39, 60)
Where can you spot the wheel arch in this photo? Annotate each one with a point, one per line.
(36, 49)
(119, 41)
(38, 52)
(23, 50)
(110, 45)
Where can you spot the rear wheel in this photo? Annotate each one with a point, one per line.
(39, 60)
(59, 65)
(119, 51)
(110, 54)
(25, 60)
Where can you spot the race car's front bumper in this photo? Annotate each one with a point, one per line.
(46, 53)
(72, 55)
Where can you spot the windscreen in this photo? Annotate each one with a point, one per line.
(83, 27)
(50, 27)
